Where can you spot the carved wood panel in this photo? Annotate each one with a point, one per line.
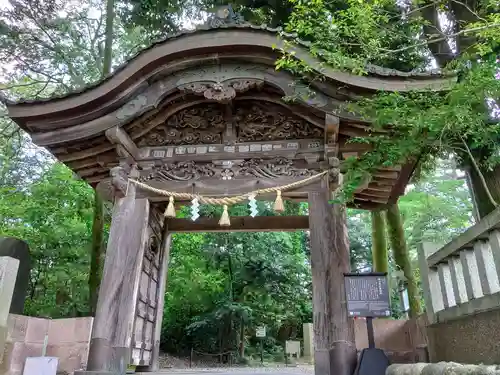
(194, 125)
(275, 168)
(147, 300)
(252, 121)
(257, 121)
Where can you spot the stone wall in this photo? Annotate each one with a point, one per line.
(68, 339)
(469, 339)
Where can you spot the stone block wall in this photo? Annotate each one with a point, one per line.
(470, 339)
(68, 339)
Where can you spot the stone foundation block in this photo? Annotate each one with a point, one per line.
(441, 368)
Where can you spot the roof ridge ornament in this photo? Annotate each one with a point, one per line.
(224, 15)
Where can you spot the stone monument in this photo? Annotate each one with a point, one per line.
(18, 249)
(308, 335)
(8, 275)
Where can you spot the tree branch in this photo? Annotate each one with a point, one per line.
(436, 40)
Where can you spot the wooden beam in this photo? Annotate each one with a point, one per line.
(118, 136)
(109, 350)
(403, 179)
(240, 224)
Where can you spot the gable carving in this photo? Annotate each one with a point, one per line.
(265, 122)
(194, 125)
(209, 123)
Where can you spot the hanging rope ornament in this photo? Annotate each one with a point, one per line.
(278, 203)
(226, 201)
(170, 211)
(224, 219)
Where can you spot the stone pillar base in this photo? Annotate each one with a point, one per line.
(340, 360)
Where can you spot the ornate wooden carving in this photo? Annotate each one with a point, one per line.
(264, 122)
(278, 167)
(195, 125)
(227, 170)
(205, 124)
(222, 92)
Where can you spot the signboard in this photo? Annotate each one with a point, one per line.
(260, 332)
(367, 295)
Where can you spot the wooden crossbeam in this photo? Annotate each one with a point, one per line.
(240, 224)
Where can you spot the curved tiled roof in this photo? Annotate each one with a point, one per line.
(372, 70)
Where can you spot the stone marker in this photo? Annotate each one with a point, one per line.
(308, 341)
(41, 366)
(18, 249)
(292, 348)
(8, 274)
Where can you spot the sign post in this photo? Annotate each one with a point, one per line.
(261, 333)
(367, 297)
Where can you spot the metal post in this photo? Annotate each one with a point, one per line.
(371, 336)
(262, 350)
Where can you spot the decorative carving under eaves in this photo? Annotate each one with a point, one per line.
(195, 125)
(222, 92)
(257, 122)
(260, 168)
(182, 171)
(277, 167)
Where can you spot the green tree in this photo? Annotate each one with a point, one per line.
(53, 215)
(379, 240)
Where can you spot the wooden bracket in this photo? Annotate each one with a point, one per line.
(119, 137)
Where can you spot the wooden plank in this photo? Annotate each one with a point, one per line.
(334, 349)
(240, 224)
(371, 198)
(466, 239)
(162, 285)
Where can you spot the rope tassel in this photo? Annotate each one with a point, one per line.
(278, 203)
(170, 211)
(224, 219)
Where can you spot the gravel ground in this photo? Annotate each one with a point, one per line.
(178, 366)
(299, 370)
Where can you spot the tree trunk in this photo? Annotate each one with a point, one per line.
(379, 243)
(482, 203)
(242, 338)
(108, 43)
(401, 256)
(97, 252)
(98, 221)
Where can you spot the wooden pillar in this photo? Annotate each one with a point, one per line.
(162, 285)
(335, 350)
(113, 324)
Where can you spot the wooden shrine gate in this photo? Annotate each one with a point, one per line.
(202, 114)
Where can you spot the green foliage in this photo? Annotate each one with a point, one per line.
(53, 214)
(162, 17)
(426, 124)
